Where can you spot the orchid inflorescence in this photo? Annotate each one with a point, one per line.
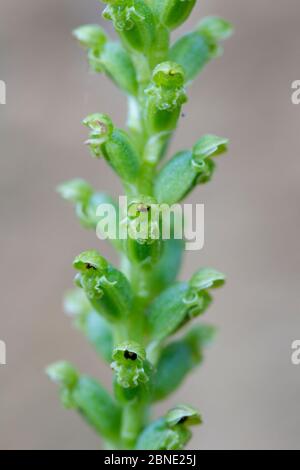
(131, 314)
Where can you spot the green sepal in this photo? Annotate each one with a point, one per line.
(165, 97)
(160, 436)
(170, 432)
(187, 169)
(173, 13)
(183, 414)
(215, 28)
(76, 191)
(129, 364)
(194, 50)
(179, 358)
(207, 278)
(107, 289)
(89, 398)
(90, 36)
(114, 145)
(116, 63)
(97, 330)
(134, 21)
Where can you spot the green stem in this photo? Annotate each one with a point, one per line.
(133, 419)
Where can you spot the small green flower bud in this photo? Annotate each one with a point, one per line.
(129, 363)
(86, 201)
(194, 50)
(76, 190)
(188, 168)
(99, 409)
(215, 28)
(114, 144)
(165, 96)
(160, 436)
(170, 432)
(134, 21)
(115, 61)
(183, 414)
(88, 397)
(172, 13)
(174, 307)
(107, 289)
(90, 36)
(168, 75)
(143, 244)
(64, 374)
(178, 358)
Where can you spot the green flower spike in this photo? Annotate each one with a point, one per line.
(131, 315)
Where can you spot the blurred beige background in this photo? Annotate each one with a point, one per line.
(248, 391)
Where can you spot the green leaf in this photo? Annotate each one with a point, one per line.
(129, 363)
(134, 21)
(96, 328)
(90, 36)
(114, 144)
(173, 13)
(89, 398)
(187, 169)
(107, 289)
(179, 358)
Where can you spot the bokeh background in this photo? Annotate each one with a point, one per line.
(248, 390)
